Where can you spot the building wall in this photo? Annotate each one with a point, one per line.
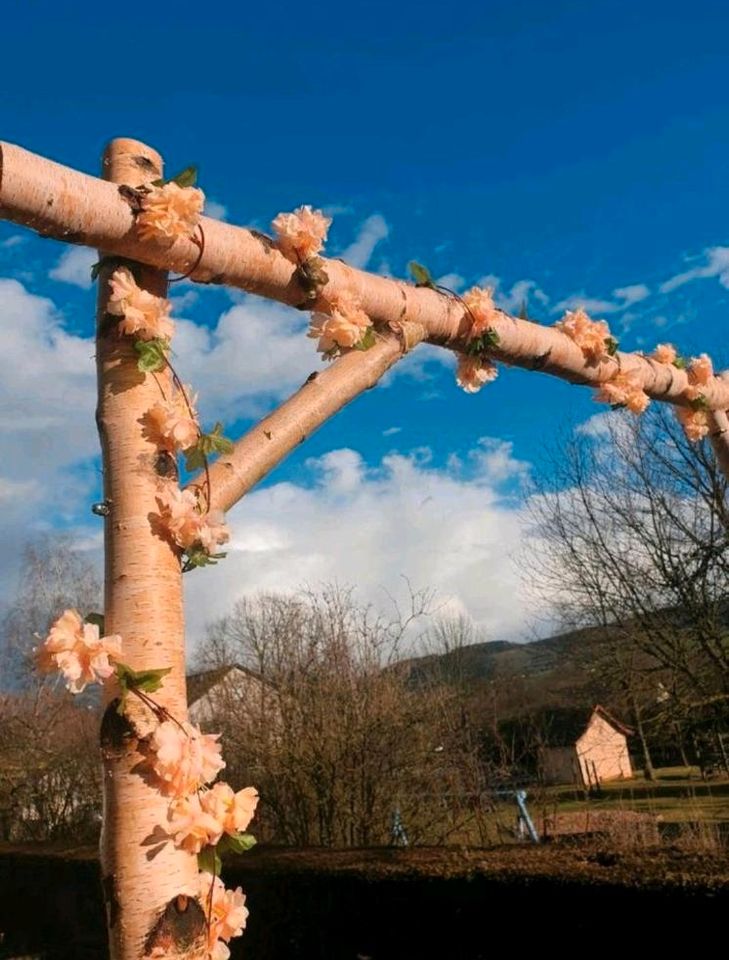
(237, 690)
(602, 752)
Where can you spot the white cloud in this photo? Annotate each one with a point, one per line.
(391, 431)
(74, 267)
(47, 432)
(716, 265)
(519, 294)
(449, 529)
(633, 293)
(373, 230)
(453, 281)
(218, 211)
(14, 241)
(624, 298)
(257, 351)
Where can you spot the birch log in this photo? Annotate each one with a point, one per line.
(59, 202)
(148, 884)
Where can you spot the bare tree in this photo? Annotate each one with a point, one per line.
(52, 577)
(340, 735)
(631, 534)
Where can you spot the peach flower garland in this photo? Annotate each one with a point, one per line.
(187, 526)
(482, 310)
(695, 419)
(172, 424)
(170, 212)
(695, 423)
(76, 650)
(474, 372)
(665, 353)
(624, 390)
(300, 235)
(700, 373)
(142, 314)
(591, 336)
(340, 324)
(228, 914)
(183, 758)
(201, 820)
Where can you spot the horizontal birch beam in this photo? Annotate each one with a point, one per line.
(58, 202)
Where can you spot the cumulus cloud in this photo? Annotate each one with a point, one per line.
(448, 528)
(13, 241)
(373, 230)
(716, 264)
(520, 293)
(624, 298)
(218, 211)
(74, 267)
(47, 434)
(257, 352)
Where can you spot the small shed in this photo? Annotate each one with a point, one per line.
(584, 747)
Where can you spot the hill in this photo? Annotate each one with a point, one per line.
(554, 671)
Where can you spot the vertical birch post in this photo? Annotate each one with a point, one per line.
(148, 884)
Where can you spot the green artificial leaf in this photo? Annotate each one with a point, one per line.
(421, 275)
(197, 557)
(149, 681)
(194, 459)
(152, 354)
(368, 340)
(680, 363)
(611, 345)
(185, 178)
(98, 619)
(481, 345)
(699, 403)
(238, 843)
(207, 445)
(209, 861)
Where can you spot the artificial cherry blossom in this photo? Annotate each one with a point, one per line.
(625, 389)
(695, 423)
(76, 650)
(172, 424)
(170, 212)
(301, 234)
(191, 826)
(343, 324)
(474, 372)
(665, 353)
(227, 911)
(481, 310)
(183, 758)
(234, 811)
(143, 315)
(589, 335)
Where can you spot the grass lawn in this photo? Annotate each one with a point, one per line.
(678, 794)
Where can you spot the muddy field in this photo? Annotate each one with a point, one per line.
(385, 904)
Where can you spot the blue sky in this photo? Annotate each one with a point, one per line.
(578, 151)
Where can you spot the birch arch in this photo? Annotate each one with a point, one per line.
(151, 889)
